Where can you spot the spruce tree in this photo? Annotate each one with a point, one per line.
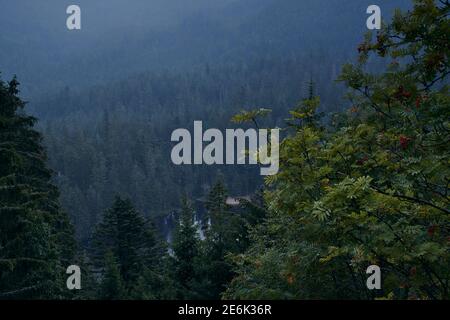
(36, 238)
(225, 233)
(112, 287)
(186, 250)
(131, 240)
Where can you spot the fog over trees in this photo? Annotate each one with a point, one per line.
(107, 98)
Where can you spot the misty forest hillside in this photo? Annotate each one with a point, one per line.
(119, 39)
(109, 96)
(86, 176)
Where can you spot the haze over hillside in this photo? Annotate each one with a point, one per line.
(119, 37)
(109, 95)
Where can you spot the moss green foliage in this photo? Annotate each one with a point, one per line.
(372, 189)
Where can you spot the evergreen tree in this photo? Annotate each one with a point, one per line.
(224, 235)
(36, 238)
(89, 284)
(131, 240)
(112, 287)
(185, 250)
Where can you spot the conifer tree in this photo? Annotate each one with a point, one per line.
(131, 240)
(224, 235)
(36, 238)
(112, 287)
(186, 250)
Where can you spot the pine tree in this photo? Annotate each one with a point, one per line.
(186, 250)
(112, 287)
(224, 235)
(89, 284)
(36, 238)
(131, 240)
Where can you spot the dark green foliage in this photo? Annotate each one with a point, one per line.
(132, 243)
(115, 139)
(89, 284)
(112, 287)
(36, 238)
(224, 231)
(186, 251)
(371, 188)
(371, 191)
(200, 268)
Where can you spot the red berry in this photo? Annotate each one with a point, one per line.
(361, 161)
(431, 230)
(404, 142)
(418, 102)
(400, 92)
(407, 94)
(362, 48)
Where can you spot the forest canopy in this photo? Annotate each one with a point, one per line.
(363, 180)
